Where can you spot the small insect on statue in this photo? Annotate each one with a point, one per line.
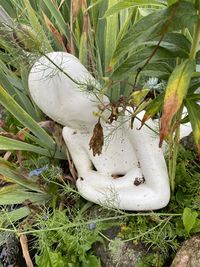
(130, 173)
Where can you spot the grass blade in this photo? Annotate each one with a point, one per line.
(11, 144)
(14, 176)
(20, 196)
(14, 215)
(32, 18)
(9, 103)
(194, 116)
(120, 5)
(62, 25)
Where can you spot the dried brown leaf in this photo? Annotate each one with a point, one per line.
(85, 16)
(7, 155)
(22, 134)
(114, 114)
(75, 7)
(170, 108)
(54, 31)
(10, 135)
(175, 93)
(97, 140)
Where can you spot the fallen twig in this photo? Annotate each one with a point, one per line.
(24, 244)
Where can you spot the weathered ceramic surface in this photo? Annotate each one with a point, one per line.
(131, 154)
(135, 155)
(58, 96)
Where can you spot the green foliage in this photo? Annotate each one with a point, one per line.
(64, 237)
(158, 23)
(175, 93)
(50, 259)
(9, 217)
(132, 3)
(163, 235)
(68, 247)
(9, 103)
(123, 44)
(19, 188)
(151, 260)
(189, 219)
(121, 48)
(194, 116)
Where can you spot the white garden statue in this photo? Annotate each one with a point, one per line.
(131, 172)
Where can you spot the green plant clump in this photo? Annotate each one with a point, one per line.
(145, 55)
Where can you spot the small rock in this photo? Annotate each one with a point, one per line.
(119, 253)
(189, 254)
(188, 142)
(9, 249)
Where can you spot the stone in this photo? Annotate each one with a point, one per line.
(188, 142)
(120, 253)
(189, 253)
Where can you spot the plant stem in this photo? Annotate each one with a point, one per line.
(98, 220)
(164, 222)
(196, 39)
(173, 150)
(61, 70)
(174, 142)
(170, 158)
(174, 158)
